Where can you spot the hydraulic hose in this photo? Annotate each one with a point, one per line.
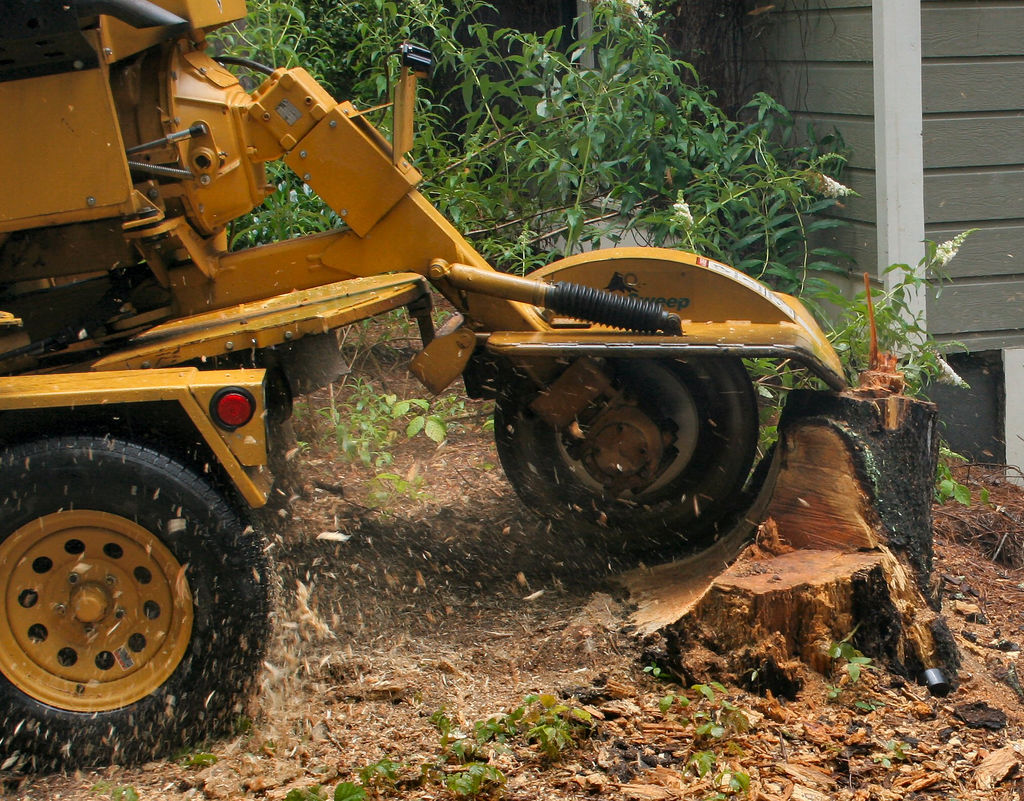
(137, 13)
(572, 300)
(619, 311)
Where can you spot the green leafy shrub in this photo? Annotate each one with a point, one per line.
(536, 145)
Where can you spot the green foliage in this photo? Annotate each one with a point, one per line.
(347, 791)
(383, 488)
(535, 145)
(895, 751)
(946, 485)
(313, 793)
(541, 719)
(367, 422)
(659, 673)
(702, 762)
(707, 708)
(198, 759)
(382, 773)
(476, 779)
(853, 663)
(899, 324)
(117, 792)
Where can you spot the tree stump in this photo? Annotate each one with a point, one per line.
(845, 551)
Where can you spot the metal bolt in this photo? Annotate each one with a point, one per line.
(60, 609)
(229, 346)
(120, 613)
(153, 193)
(72, 578)
(266, 116)
(306, 177)
(79, 689)
(78, 64)
(146, 365)
(204, 179)
(344, 212)
(302, 154)
(107, 51)
(289, 335)
(332, 124)
(90, 201)
(111, 579)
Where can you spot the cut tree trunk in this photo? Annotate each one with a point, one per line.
(845, 551)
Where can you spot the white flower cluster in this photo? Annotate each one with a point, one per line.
(638, 7)
(949, 375)
(681, 213)
(945, 252)
(830, 187)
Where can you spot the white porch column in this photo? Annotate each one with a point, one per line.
(899, 156)
(1013, 416)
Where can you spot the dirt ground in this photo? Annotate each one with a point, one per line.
(414, 609)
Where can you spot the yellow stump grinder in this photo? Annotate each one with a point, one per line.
(144, 365)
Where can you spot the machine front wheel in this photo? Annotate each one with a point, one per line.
(667, 451)
(136, 603)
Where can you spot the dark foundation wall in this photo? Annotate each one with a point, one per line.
(971, 420)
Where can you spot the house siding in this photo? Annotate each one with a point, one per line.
(816, 57)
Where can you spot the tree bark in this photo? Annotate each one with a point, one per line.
(845, 551)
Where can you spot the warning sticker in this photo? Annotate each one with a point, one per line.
(124, 659)
(288, 111)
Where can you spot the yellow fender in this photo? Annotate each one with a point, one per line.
(723, 312)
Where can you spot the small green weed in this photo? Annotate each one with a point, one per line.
(854, 663)
(477, 778)
(385, 487)
(381, 774)
(313, 793)
(541, 720)
(659, 673)
(347, 791)
(366, 422)
(711, 714)
(117, 792)
(895, 751)
(947, 487)
(198, 759)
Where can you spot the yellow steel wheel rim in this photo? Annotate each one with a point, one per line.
(98, 610)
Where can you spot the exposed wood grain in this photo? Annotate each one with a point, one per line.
(818, 501)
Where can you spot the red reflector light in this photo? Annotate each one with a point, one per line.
(233, 407)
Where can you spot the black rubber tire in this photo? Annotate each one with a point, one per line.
(227, 575)
(690, 502)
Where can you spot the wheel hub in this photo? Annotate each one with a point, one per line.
(623, 448)
(98, 611)
(90, 603)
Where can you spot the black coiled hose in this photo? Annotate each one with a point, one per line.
(619, 311)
